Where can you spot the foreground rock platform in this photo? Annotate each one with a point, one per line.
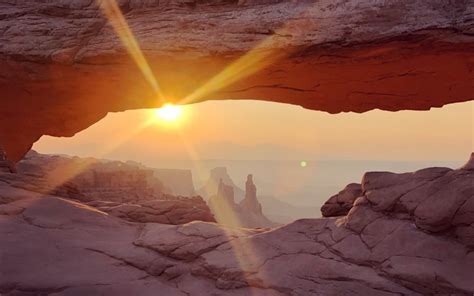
(63, 67)
(408, 234)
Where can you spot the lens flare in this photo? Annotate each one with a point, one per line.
(169, 112)
(112, 11)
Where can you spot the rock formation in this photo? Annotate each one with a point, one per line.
(341, 203)
(168, 210)
(93, 179)
(63, 67)
(126, 190)
(407, 234)
(217, 176)
(246, 214)
(223, 206)
(250, 202)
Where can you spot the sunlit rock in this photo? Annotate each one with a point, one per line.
(334, 56)
(126, 190)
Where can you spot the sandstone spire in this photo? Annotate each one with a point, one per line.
(250, 202)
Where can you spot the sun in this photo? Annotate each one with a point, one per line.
(169, 113)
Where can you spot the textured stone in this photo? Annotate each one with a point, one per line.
(74, 249)
(63, 67)
(91, 179)
(176, 211)
(126, 190)
(341, 203)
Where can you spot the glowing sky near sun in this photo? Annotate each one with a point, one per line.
(262, 130)
(258, 130)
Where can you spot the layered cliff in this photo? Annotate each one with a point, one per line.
(126, 190)
(94, 179)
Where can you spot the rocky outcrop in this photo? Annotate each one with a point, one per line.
(335, 56)
(341, 203)
(217, 176)
(435, 200)
(380, 248)
(93, 179)
(246, 214)
(250, 202)
(126, 190)
(168, 210)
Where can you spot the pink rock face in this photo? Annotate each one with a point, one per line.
(125, 190)
(75, 249)
(341, 203)
(173, 211)
(250, 202)
(89, 179)
(438, 200)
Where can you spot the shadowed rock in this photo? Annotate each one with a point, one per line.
(341, 203)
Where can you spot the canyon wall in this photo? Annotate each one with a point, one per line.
(124, 189)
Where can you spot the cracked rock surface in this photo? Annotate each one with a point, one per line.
(174, 210)
(407, 234)
(62, 68)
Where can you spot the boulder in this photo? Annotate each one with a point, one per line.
(341, 203)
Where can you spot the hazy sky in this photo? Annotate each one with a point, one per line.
(262, 130)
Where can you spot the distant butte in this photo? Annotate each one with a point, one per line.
(63, 68)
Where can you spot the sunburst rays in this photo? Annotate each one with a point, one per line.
(264, 54)
(117, 20)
